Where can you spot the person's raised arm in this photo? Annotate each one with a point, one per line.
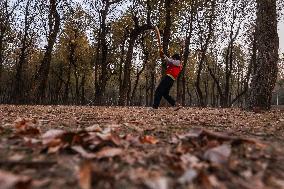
(172, 61)
(169, 60)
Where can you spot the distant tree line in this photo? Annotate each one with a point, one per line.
(104, 52)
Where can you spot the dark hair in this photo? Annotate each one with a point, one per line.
(176, 57)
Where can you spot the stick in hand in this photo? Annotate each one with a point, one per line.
(159, 37)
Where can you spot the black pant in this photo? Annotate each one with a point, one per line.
(163, 90)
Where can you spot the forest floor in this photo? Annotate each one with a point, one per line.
(136, 147)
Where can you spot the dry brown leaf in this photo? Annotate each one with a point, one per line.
(215, 182)
(157, 183)
(94, 128)
(50, 137)
(26, 127)
(16, 157)
(204, 180)
(188, 176)
(12, 181)
(108, 152)
(197, 133)
(194, 133)
(41, 183)
(83, 152)
(85, 175)
(149, 139)
(189, 160)
(218, 154)
(110, 137)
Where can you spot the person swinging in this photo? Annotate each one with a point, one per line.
(174, 67)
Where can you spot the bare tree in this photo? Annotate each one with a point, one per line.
(204, 43)
(7, 11)
(19, 85)
(133, 35)
(41, 77)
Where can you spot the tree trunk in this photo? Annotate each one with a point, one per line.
(138, 73)
(190, 96)
(263, 81)
(127, 65)
(41, 76)
(147, 91)
(67, 85)
(167, 31)
(102, 57)
(1, 52)
(137, 81)
(152, 87)
(83, 82)
(127, 68)
(181, 81)
(4, 22)
(121, 63)
(58, 97)
(77, 88)
(203, 56)
(19, 85)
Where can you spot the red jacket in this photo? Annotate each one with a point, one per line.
(174, 67)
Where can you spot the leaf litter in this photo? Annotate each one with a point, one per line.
(131, 147)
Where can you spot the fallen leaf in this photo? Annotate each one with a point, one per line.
(204, 180)
(110, 137)
(85, 175)
(108, 152)
(12, 181)
(49, 136)
(41, 183)
(188, 176)
(157, 183)
(83, 152)
(16, 157)
(215, 182)
(149, 139)
(279, 183)
(26, 127)
(198, 133)
(194, 133)
(218, 154)
(94, 128)
(189, 159)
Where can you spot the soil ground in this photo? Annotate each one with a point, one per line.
(137, 147)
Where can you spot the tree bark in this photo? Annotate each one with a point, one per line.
(263, 81)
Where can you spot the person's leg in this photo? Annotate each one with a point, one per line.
(170, 99)
(159, 93)
(157, 98)
(168, 86)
